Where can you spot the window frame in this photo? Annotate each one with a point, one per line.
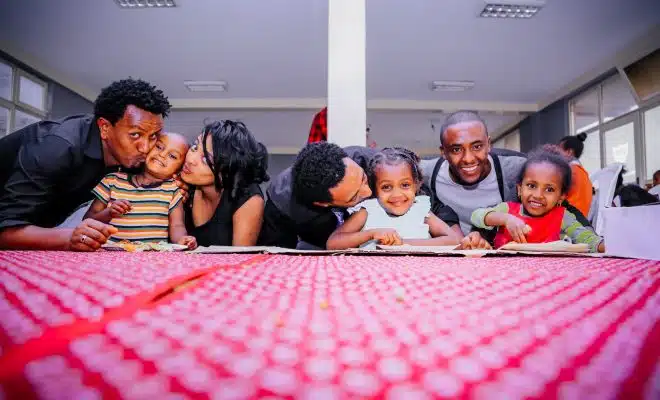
(15, 104)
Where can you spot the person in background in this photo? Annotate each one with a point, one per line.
(397, 215)
(538, 217)
(655, 190)
(318, 132)
(147, 206)
(224, 168)
(581, 191)
(49, 168)
(470, 175)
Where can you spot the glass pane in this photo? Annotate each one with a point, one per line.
(21, 120)
(31, 93)
(591, 155)
(585, 111)
(620, 148)
(652, 141)
(4, 121)
(617, 98)
(513, 141)
(5, 81)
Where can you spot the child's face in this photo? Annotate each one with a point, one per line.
(541, 189)
(167, 156)
(395, 188)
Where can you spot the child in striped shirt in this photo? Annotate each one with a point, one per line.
(146, 207)
(543, 185)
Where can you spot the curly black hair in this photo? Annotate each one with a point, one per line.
(318, 168)
(394, 156)
(548, 157)
(238, 159)
(113, 100)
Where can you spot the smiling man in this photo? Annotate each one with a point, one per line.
(470, 175)
(49, 168)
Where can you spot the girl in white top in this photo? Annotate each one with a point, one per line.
(396, 215)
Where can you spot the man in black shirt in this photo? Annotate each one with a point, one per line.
(308, 201)
(49, 168)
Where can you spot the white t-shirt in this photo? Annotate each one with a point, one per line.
(410, 225)
(465, 199)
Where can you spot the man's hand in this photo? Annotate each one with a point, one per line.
(189, 241)
(119, 207)
(517, 228)
(474, 241)
(90, 235)
(183, 186)
(387, 237)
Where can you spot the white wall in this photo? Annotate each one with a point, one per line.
(287, 131)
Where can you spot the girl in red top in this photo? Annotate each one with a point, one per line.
(543, 185)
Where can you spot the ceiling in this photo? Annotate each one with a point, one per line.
(278, 49)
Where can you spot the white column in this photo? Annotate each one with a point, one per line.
(347, 105)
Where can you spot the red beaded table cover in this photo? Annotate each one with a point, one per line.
(346, 327)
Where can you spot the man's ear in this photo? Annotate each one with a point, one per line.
(321, 204)
(104, 127)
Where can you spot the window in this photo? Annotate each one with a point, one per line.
(584, 111)
(21, 119)
(510, 141)
(620, 148)
(32, 92)
(609, 114)
(617, 98)
(23, 99)
(4, 121)
(591, 160)
(652, 141)
(6, 80)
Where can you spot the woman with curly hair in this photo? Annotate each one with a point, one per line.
(225, 166)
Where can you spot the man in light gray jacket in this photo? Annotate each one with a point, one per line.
(470, 174)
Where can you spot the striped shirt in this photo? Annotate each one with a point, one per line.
(148, 219)
(571, 228)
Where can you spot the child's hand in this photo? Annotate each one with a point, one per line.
(517, 229)
(119, 208)
(189, 241)
(387, 237)
(473, 241)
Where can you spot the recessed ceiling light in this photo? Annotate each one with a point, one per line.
(137, 4)
(206, 86)
(517, 9)
(451, 86)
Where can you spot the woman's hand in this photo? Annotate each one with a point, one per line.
(517, 228)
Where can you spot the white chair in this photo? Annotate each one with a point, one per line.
(604, 182)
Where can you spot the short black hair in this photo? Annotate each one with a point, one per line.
(575, 143)
(113, 100)
(460, 117)
(238, 160)
(394, 156)
(632, 195)
(546, 157)
(656, 175)
(318, 168)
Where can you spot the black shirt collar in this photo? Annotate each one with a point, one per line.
(93, 146)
